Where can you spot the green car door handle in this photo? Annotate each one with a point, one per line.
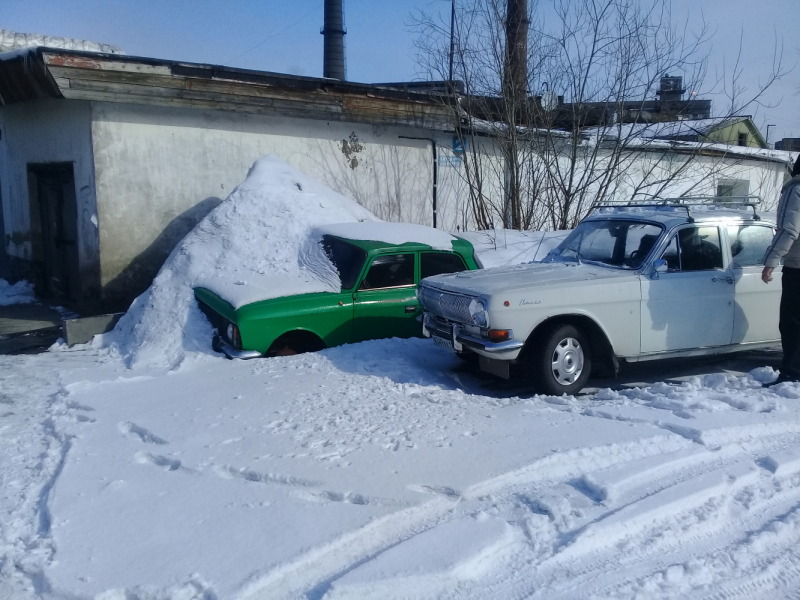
(411, 309)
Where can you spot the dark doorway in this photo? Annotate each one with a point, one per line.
(54, 229)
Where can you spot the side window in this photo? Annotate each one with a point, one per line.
(749, 244)
(435, 263)
(700, 248)
(391, 270)
(671, 255)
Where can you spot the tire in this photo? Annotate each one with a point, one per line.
(560, 360)
(471, 358)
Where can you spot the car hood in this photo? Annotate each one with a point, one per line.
(512, 277)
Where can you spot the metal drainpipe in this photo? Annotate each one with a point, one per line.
(435, 169)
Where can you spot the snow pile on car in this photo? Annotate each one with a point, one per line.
(255, 245)
(19, 293)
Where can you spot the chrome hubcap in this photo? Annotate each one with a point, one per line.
(567, 361)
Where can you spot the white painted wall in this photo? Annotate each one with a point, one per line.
(154, 164)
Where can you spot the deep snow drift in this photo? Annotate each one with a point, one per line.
(256, 245)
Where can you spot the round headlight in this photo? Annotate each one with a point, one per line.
(477, 310)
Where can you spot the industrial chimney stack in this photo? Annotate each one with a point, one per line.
(515, 75)
(333, 57)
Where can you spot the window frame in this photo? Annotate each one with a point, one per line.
(370, 262)
(722, 234)
(422, 253)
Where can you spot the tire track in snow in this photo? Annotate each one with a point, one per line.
(570, 576)
(331, 560)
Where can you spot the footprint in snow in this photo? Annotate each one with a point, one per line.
(133, 431)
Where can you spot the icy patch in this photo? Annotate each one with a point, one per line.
(19, 293)
(429, 564)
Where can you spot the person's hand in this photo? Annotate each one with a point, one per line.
(766, 274)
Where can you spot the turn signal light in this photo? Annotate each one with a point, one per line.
(500, 335)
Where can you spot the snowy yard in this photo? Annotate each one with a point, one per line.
(380, 470)
(145, 467)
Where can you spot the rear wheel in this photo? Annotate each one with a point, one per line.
(560, 360)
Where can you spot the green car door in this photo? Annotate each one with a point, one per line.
(385, 303)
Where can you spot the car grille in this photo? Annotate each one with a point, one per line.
(453, 307)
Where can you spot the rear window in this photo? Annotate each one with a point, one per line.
(436, 263)
(347, 258)
(749, 244)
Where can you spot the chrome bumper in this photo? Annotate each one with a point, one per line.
(464, 340)
(220, 345)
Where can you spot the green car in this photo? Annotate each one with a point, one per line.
(378, 299)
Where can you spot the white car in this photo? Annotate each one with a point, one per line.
(629, 283)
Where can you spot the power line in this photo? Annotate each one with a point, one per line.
(285, 29)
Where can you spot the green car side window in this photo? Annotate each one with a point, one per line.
(388, 271)
(435, 263)
(347, 258)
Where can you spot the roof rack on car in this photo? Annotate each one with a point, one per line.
(686, 202)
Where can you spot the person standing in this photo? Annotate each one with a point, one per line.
(786, 245)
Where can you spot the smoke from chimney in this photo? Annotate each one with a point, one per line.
(334, 31)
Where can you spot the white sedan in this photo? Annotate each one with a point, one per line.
(629, 283)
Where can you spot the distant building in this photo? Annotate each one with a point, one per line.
(792, 144)
(735, 131)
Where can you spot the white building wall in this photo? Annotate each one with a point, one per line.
(159, 170)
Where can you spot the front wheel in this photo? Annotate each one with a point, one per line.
(560, 360)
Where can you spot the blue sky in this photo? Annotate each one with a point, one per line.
(284, 36)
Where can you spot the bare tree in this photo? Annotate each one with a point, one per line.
(536, 160)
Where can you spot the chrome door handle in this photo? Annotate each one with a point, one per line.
(730, 280)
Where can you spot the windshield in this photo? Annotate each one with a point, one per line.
(616, 243)
(347, 259)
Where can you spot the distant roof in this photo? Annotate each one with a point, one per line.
(11, 40)
(666, 130)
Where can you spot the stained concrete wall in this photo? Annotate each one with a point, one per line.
(159, 170)
(47, 131)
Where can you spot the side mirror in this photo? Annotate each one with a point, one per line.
(660, 265)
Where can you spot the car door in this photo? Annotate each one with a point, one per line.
(757, 304)
(385, 303)
(690, 305)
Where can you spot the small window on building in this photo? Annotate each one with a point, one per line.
(743, 139)
(733, 188)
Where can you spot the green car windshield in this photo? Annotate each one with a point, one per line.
(347, 258)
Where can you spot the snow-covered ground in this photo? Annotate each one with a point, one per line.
(145, 467)
(387, 470)
(18, 293)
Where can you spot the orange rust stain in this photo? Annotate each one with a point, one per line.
(74, 61)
